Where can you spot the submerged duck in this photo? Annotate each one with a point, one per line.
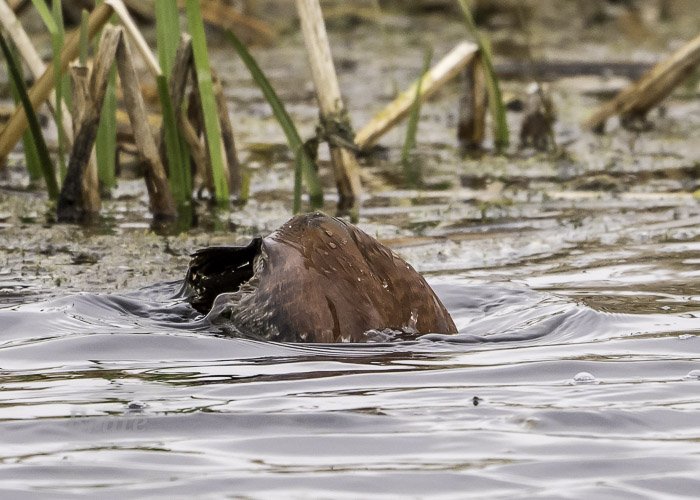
(315, 279)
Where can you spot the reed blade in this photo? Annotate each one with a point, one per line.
(411, 165)
(34, 127)
(179, 174)
(304, 164)
(212, 127)
(167, 34)
(496, 106)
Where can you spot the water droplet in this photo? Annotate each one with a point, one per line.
(385, 285)
(584, 378)
(693, 375)
(332, 245)
(329, 232)
(359, 279)
(685, 336)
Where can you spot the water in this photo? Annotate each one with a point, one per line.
(576, 373)
(540, 395)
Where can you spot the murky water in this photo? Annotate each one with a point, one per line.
(577, 376)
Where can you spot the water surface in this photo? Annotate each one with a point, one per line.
(578, 383)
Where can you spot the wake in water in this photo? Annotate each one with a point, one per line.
(483, 313)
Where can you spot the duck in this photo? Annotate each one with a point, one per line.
(316, 279)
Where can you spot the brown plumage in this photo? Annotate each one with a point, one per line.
(315, 279)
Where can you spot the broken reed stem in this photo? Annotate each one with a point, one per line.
(72, 205)
(135, 34)
(17, 123)
(639, 97)
(162, 203)
(36, 66)
(330, 102)
(446, 69)
(90, 188)
(473, 103)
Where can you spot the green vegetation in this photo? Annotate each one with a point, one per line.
(304, 163)
(42, 151)
(212, 127)
(177, 155)
(496, 105)
(411, 165)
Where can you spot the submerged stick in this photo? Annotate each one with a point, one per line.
(636, 100)
(333, 114)
(446, 69)
(17, 124)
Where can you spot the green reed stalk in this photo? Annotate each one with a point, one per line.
(206, 93)
(167, 34)
(496, 105)
(168, 37)
(303, 162)
(31, 156)
(179, 173)
(412, 166)
(34, 127)
(53, 20)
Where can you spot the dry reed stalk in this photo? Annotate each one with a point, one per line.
(333, 114)
(446, 69)
(135, 34)
(72, 205)
(15, 127)
(16, 5)
(636, 100)
(36, 66)
(473, 105)
(162, 203)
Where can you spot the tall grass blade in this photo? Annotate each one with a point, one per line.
(304, 164)
(180, 177)
(106, 139)
(30, 155)
(167, 34)
(168, 37)
(412, 165)
(34, 127)
(206, 91)
(496, 105)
